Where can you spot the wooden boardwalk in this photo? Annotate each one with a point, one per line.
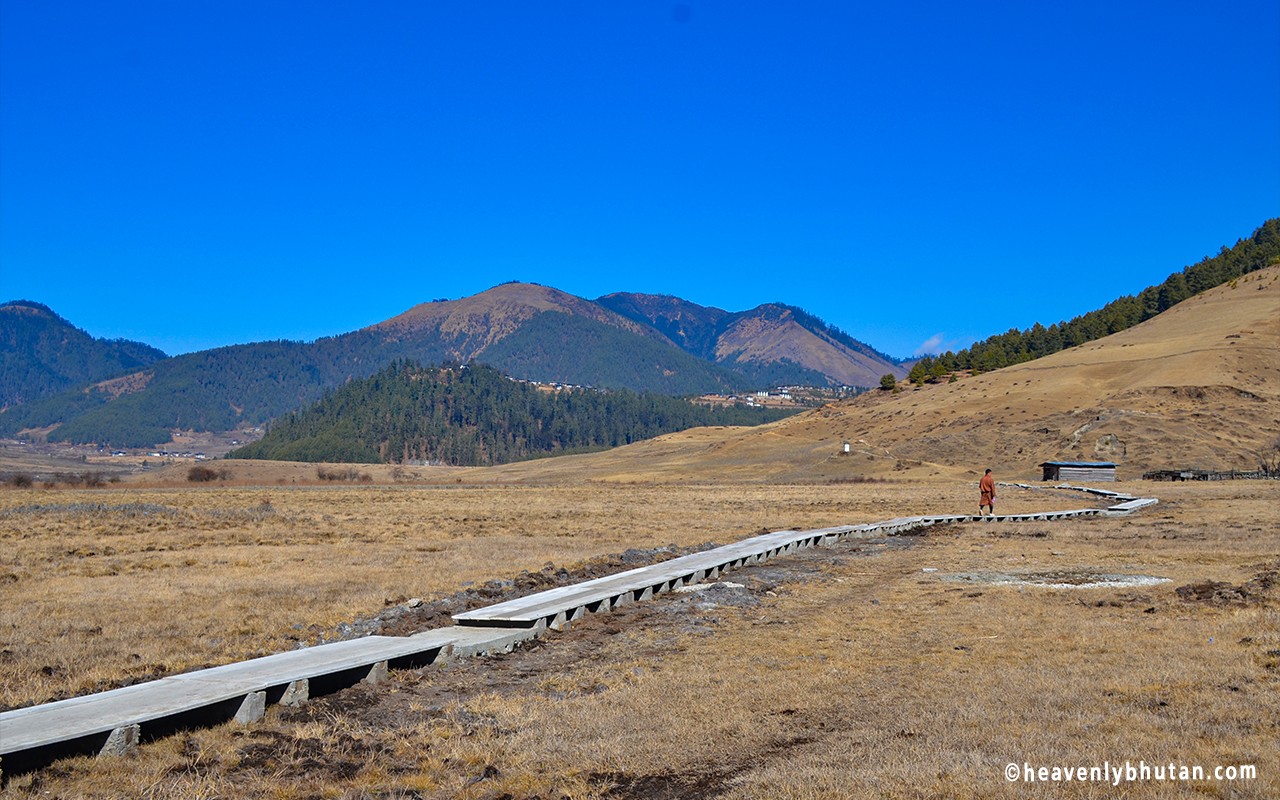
(113, 722)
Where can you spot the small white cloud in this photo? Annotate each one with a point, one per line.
(931, 345)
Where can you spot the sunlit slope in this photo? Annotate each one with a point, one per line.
(1197, 386)
(476, 322)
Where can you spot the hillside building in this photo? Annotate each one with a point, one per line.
(1092, 471)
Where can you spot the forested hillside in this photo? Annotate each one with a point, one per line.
(555, 347)
(639, 342)
(42, 354)
(212, 390)
(219, 390)
(1260, 250)
(475, 416)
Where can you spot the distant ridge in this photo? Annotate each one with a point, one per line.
(472, 324)
(641, 342)
(540, 333)
(42, 354)
(525, 330)
(780, 344)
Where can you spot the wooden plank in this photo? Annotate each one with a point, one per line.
(642, 582)
(551, 601)
(1133, 505)
(26, 728)
(546, 605)
(558, 606)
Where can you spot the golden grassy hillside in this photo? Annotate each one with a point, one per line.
(1197, 386)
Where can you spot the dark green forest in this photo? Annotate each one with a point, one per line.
(475, 416)
(783, 372)
(554, 347)
(1014, 346)
(209, 390)
(42, 354)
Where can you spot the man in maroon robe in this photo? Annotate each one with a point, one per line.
(988, 499)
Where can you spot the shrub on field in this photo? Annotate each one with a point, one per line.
(204, 474)
(91, 480)
(348, 474)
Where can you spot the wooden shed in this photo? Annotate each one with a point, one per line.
(1079, 471)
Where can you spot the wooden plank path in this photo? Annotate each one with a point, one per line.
(115, 721)
(558, 607)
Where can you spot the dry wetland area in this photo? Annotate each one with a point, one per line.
(938, 664)
(871, 668)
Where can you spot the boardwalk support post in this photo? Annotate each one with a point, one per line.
(296, 693)
(252, 709)
(121, 741)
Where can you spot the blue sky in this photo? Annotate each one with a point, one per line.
(196, 174)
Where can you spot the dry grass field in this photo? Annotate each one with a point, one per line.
(843, 672)
(103, 586)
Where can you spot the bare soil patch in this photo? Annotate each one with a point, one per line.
(1058, 579)
(1261, 588)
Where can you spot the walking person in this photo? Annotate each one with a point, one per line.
(988, 499)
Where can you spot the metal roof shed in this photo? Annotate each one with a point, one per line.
(1096, 471)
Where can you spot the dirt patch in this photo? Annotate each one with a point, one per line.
(290, 756)
(714, 781)
(664, 786)
(712, 595)
(1257, 590)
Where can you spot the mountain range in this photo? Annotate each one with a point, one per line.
(58, 381)
(133, 396)
(1194, 387)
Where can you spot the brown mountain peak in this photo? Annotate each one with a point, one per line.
(482, 319)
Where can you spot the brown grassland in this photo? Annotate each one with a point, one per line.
(100, 586)
(851, 672)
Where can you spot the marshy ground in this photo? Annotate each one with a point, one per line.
(857, 670)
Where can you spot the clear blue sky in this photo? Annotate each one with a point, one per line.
(193, 174)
